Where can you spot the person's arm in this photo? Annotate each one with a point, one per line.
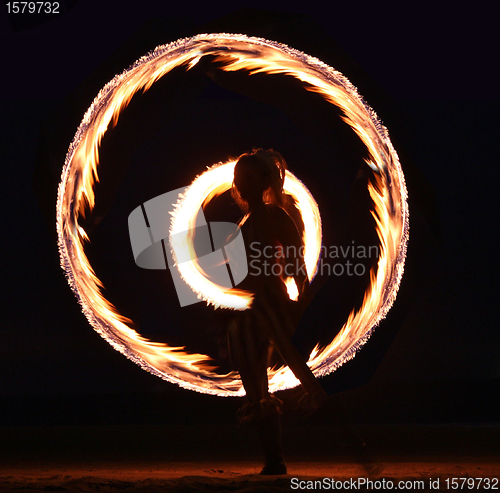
(290, 237)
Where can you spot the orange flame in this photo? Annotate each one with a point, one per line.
(76, 196)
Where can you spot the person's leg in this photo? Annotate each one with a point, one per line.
(248, 349)
(278, 325)
(269, 420)
(249, 344)
(269, 426)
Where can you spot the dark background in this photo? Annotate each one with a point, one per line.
(435, 359)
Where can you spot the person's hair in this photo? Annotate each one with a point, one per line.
(272, 167)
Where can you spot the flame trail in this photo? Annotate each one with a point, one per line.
(255, 55)
(215, 181)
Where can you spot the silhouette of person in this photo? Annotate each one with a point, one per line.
(275, 252)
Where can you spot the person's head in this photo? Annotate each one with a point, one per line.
(258, 177)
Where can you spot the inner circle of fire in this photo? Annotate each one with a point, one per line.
(215, 181)
(255, 55)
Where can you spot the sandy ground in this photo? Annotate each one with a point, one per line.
(162, 458)
(236, 476)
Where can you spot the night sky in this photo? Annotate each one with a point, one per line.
(431, 85)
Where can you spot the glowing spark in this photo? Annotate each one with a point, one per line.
(238, 52)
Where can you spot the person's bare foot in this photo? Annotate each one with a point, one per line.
(311, 402)
(274, 467)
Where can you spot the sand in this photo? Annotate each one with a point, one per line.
(181, 459)
(233, 476)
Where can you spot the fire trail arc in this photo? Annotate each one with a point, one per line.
(254, 55)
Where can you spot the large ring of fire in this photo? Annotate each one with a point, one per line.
(255, 55)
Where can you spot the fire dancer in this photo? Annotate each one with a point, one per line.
(275, 251)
